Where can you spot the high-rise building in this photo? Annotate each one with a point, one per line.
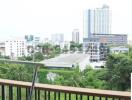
(57, 38)
(97, 21)
(75, 36)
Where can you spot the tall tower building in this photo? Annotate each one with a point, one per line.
(97, 21)
(75, 35)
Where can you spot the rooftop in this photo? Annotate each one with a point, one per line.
(65, 60)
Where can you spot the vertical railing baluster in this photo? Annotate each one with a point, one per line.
(81, 97)
(3, 92)
(38, 94)
(18, 93)
(10, 92)
(69, 96)
(93, 97)
(48, 95)
(54, 95)
(65, 96)
(88, 98)
(45, 93)
(58, 95)
(106, 98)
(27, 93)
(35, 94)
(76, 96)
(100, 98)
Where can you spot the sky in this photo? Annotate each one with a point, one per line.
(46, 17)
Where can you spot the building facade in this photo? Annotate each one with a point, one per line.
(13, 48)
(130, 42)
(2, 48)
(112, 39)
(31, 43)
(97, 21)
(32, 40)
(75, 36)
(57, 38)
(96, 50)
(119, 49)
(102, 42)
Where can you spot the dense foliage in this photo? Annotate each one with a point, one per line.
(119, 68)
(16, 71)
(115, 76)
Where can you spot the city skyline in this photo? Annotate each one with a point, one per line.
(45, 18)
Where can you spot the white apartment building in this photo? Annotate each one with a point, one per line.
(75, 35)
(13, 48)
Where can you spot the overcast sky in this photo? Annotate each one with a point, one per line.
(45, 17)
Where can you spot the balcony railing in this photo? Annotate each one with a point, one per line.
(18, 90)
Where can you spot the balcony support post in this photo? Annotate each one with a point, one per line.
(33, 82)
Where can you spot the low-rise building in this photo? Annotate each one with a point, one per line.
(2, 48)
(32, 40)
(119, 49)
(68, 61)
(31, 43)
(96, 50)
(13, 48)
(97, 45)
(112, 39)
(130, 42)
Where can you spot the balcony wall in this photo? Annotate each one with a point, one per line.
(18, 90)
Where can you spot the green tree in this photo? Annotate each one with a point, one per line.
(47, 48)
(57, 49)
(72, 46)
(79, 46)
(38, 56)
(119, 68)
(65, 49)
(16, 71)
(93, 78)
